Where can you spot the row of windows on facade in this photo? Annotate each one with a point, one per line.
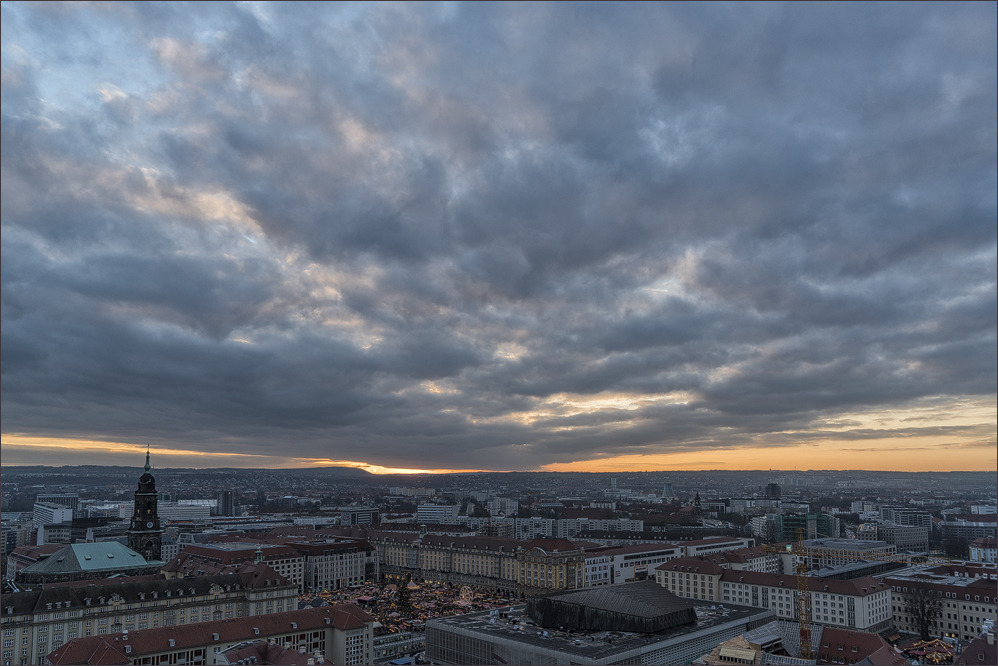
(948, 595)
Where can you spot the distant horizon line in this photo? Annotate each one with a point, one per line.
(516, 471)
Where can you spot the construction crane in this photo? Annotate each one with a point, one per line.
(802, 568)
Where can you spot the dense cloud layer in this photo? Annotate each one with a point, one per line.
(495, 235)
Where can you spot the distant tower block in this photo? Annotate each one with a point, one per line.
(613, 484)
(773, 490)
(667, 493)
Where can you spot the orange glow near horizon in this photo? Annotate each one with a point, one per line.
(921, 456)
(44, 448)
(909, 455)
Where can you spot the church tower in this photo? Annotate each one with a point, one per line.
(145, 534)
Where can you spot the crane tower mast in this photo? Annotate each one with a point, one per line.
(802, 567)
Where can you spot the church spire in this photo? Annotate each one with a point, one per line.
(147, 467)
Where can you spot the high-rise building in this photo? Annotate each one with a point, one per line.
(46, 513)
(145, 532)
(72, 500)
(226, 505)
(360, 516)
(445, 514)
(812, 525)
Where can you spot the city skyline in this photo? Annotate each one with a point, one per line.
(461, 237)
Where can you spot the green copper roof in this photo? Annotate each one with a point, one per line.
(101, 556)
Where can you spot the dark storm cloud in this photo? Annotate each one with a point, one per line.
(433, 235)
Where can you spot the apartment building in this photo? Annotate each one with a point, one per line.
(341, 634)
(984, 550)
(36, 622)
(626, 564)
(966, 603)
(863, 604)
(598, 567)
(49, 513)
(754, 558)
(477, 561)
(506, 506)
(691, 577)
(334, 564)
(437, 514)
(547, 565)
(360, 516)
(906, 516)
(968, 529)
(72, 500)
(536, 527)
(831, 552)
(905, 538)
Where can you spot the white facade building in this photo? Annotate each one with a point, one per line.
(984, 550)
(437, 514)
(48, 513)
(598, 567)
(503, 505)
(568, 528)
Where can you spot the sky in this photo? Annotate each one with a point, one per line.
(592, 237)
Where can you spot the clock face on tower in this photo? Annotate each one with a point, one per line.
(149, 524)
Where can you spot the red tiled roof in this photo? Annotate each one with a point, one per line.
(857, 646)
(270, 653)
(691, 564)
(486, 543)
(35, 553)
(225, 556)
(978, 585)
(327, 548)
(860, 587)
(708, 541)
(252, 575)
(552, 545)
(979, 652)
(638, 548)
(88, 651)
(189, 636)
(743, 555)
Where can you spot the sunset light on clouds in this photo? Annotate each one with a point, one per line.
(453, 237)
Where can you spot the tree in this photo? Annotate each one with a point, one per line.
(770, 532)
(403, 598)
(957, 547)
(923, 606)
